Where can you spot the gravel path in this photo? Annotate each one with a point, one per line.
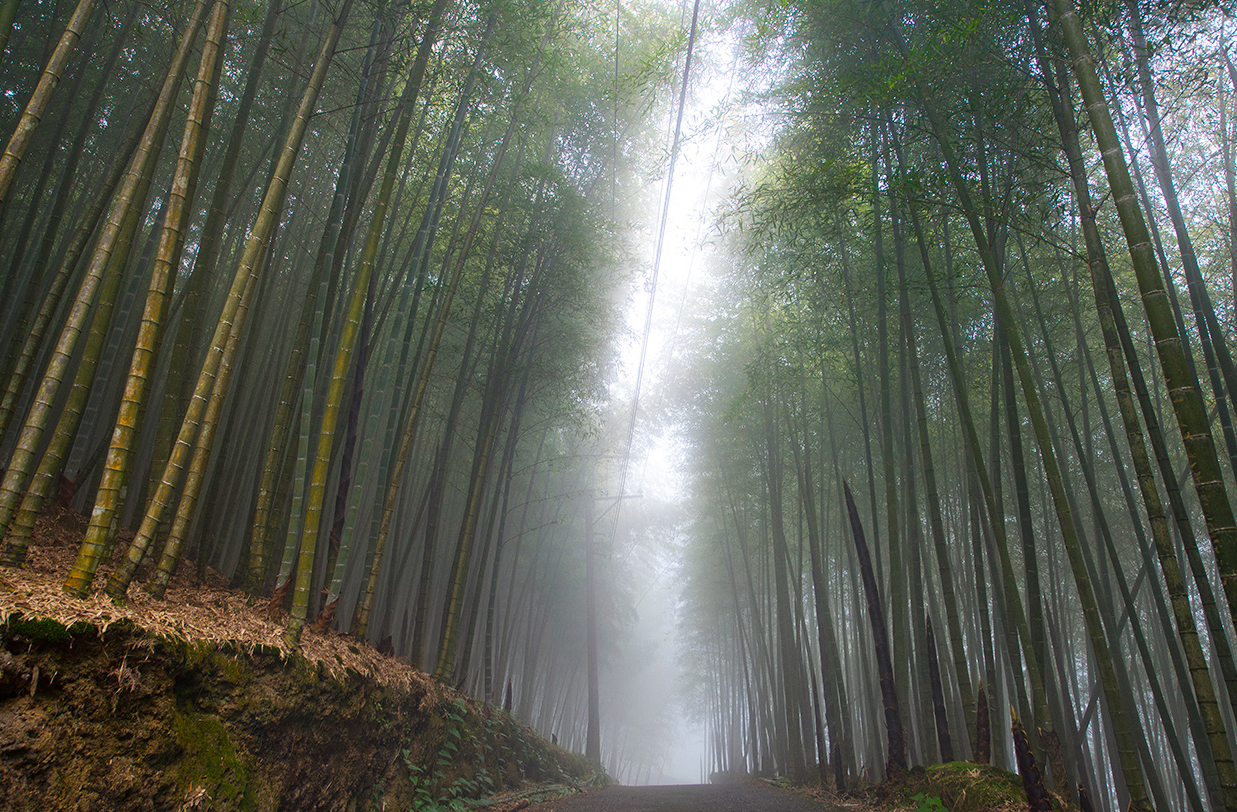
(684, 798)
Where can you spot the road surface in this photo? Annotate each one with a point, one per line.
(683, 798)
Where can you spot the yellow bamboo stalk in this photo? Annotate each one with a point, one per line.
(255, 249)
(171, 241)
(201, 454)
(28, 442)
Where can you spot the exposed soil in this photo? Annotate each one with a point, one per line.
(196, 702)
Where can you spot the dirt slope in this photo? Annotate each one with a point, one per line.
(195, 703)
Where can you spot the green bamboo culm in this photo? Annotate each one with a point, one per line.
(1108, 309)
(399, 465)
(316, 496)
(167, 259)
(369, 258)
(255, 248)
(1070, 537)
(37, 104)
(25, 332)
(166, 566)
(23, 351)
(8, 13)
(283, 578)
(1020, 631)
(137, 176)
(51, 464)
(1182, 387)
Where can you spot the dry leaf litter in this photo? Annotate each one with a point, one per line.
(205, 611)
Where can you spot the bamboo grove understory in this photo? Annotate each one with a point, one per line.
(328, 297)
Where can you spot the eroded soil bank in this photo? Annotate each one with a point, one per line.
(122, 720)
(111, 716)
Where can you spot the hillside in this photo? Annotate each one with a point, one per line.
(197, 703)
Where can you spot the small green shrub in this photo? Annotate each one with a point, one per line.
(927, 803)
(428, 793)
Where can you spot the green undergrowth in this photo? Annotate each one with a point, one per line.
(959, 786)
(437, 781)
(469, 753)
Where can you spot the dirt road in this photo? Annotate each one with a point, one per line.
(684, 798)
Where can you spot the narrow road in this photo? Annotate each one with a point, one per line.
(683, 798)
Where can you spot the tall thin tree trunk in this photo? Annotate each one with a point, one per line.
(825, 628)
(897, 570)
(936, 523)
(1073, 546)
(896, 760)
(176, 219)
(395, 479)
(1183, 388)
(130, 195)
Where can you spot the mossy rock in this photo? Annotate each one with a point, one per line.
(962, 786)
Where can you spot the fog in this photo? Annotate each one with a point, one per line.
(649, 733)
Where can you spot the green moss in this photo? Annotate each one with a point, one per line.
(191, 655)
(965, 787)
(46, 630)
(209, 662)
(231, 669)
(210, 762)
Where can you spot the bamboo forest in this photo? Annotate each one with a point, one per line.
(809, 392)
